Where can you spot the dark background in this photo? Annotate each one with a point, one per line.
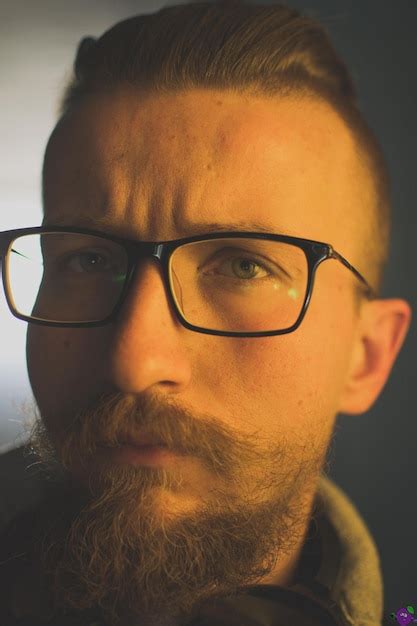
(373, 455)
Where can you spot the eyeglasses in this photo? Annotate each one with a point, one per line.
(231, 284)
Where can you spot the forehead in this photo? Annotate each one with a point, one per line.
(158, 163)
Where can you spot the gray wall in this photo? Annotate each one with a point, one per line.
(373, 455)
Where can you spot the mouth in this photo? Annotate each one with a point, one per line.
(137, 441)
(152, 455)
(142, 442)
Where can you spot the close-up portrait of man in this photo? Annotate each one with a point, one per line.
(202, 298)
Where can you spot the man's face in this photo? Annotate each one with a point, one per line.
(255, 414)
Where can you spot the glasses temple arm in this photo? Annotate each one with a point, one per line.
(335, 255)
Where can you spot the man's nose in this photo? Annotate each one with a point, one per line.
(148, 344)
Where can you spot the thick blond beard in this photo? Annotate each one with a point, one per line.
(111, 547)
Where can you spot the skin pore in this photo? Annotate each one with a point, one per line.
(254, 415)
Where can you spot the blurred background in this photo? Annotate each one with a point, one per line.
(373, 455)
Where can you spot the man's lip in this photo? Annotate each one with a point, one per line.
(142, 441)
(142, 446)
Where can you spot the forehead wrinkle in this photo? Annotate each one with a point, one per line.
(147, 181)
(155, 154)
(115, 187)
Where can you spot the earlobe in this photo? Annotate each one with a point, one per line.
(382, 330)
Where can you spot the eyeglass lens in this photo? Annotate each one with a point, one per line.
(226, 284)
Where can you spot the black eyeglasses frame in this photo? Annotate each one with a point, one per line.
(316, 252)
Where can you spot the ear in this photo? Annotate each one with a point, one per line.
(381, 331)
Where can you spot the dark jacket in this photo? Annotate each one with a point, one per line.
(339, 568)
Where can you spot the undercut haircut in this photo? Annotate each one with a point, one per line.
(267, 50)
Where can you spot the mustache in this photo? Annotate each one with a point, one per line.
(114, 418)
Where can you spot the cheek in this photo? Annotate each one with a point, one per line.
(320, 369)
(40, 360)
(269, 378)
(44, 366)
(291, 380)
(53, 369)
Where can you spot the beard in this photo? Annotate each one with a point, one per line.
(146, 544)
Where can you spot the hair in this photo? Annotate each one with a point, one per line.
(253, 49)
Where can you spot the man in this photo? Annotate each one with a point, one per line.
(183, 455)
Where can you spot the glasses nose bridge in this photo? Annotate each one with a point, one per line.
(155, 251)
(140, 250)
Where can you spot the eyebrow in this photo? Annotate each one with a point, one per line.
(196, 228)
